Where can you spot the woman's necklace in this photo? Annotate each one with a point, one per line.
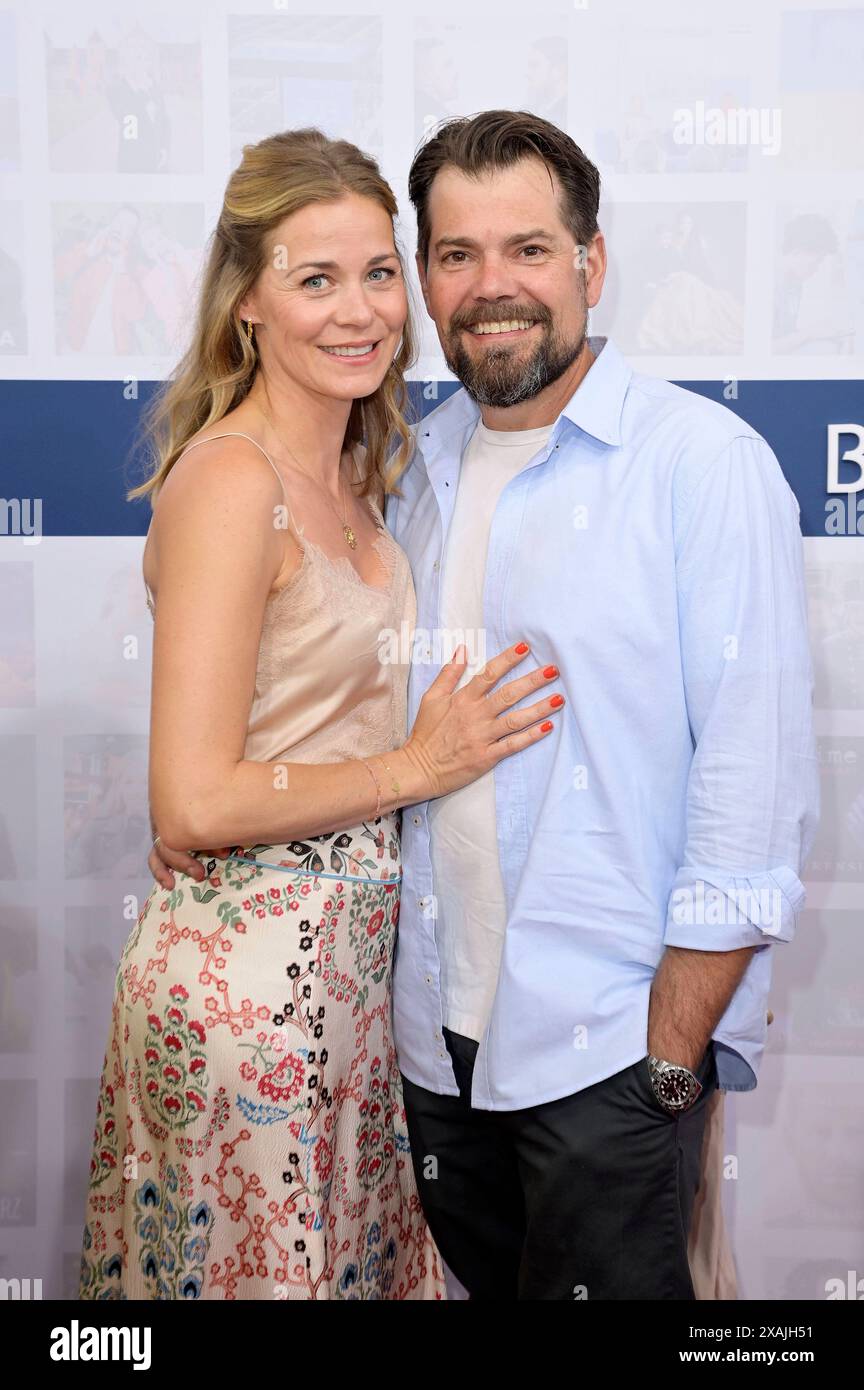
(347, 531)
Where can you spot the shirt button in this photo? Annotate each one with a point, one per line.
(436, 566)
(429, 979)
(416, 820)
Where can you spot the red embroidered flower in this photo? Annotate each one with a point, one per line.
(290, 1072)
(322, 1160)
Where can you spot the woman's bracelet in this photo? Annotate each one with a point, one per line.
(393, 782)
(377, 810)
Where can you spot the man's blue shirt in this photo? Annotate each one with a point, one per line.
(652, 550)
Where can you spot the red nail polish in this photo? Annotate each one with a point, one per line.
(522, 648)
(550, 671)
(545, 727)
(557, 701)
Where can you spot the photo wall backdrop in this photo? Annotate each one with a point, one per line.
(729, 142)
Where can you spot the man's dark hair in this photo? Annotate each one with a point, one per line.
(494, 140)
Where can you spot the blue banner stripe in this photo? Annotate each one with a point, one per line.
(69, 444)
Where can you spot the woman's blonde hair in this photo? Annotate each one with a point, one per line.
(276, 177)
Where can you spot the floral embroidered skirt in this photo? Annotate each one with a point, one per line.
(250, 1136)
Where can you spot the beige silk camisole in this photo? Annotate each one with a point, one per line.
(333, 660)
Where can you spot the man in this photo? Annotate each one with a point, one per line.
(586, 933)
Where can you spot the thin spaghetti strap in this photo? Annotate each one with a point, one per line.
(239, 434)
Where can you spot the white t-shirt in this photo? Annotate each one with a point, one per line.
(471, 907)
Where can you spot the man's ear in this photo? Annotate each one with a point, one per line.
(595, 270)
(421, 272)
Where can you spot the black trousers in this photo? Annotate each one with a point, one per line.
(587, 1197)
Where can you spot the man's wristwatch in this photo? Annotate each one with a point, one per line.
(675, 1087)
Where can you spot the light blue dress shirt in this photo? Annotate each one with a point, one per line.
(652, 550)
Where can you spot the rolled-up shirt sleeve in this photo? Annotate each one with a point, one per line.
(752, 803)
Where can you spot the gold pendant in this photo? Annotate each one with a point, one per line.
(349, 536)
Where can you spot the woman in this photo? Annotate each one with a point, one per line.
(250, 1138)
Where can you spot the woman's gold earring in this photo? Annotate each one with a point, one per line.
(249, 330)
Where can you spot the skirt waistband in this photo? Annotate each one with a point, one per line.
(365, 853)
(313, 873)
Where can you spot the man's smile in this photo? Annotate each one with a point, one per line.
(503, 328)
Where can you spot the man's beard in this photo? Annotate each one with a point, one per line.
(503, 377)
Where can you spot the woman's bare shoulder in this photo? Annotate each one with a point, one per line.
(221, 458)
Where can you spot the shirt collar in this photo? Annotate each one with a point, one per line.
(595, 406)
(598, 401)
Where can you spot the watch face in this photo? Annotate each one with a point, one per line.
(672, 1085)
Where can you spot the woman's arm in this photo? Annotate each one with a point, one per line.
(217, 554)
